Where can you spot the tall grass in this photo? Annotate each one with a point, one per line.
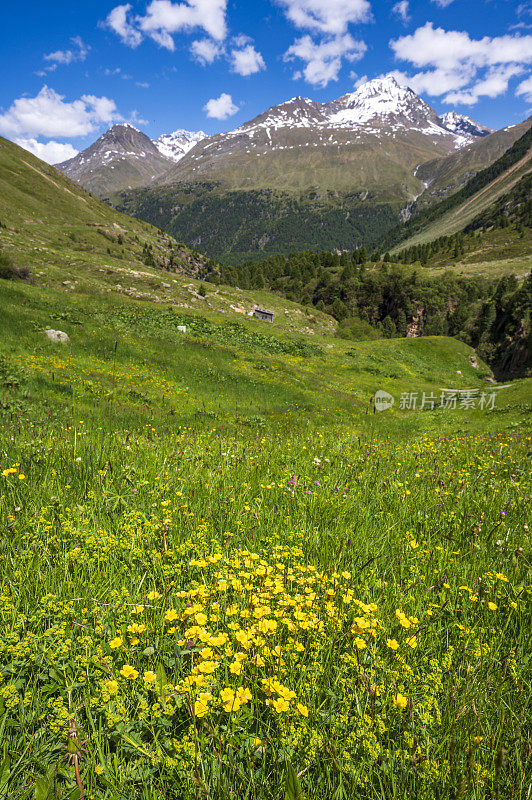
(371, 593)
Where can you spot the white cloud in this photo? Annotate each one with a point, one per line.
(247, 61)
(51, 152)
(242, 40)
(326, 16)
(136, 119)
(220, 107)
(492, 85)
(525, 89)
(435, 47)
(434, 82)
(323, 60)
(401, 9)
(43, 72)
(459, 67)
(442, 3)
(358, 80)
(68, 56)
(206, 51)
(48, 115)
(118, 21)
(164, 18)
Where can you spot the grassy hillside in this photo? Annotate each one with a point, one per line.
(465, 212)
(49, 221)
(448, 174)
(225, 574)
(458, 209)
(380, 164)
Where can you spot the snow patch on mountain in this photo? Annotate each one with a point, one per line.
(462, 124)
(177, 144)
(381, 97)
(380, 107)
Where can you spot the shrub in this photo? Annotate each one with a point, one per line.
(7, 268)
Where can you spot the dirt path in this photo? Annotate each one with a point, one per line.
(57, 185)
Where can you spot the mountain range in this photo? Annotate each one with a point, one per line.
(379, 114)
(301, 174)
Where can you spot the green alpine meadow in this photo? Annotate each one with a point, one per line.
(265, 395)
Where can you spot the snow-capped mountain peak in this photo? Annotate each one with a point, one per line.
(462, 124)
(298, 112)
(177, 144)
(381, 98)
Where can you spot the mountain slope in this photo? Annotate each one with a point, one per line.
(479, 193)
(368, 141)
(49, 221)
(302, 175)
(233, 226)
(460, 123)
(74, 243)
(120, 159)
(444, 176)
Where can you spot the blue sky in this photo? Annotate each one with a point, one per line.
(70, 70)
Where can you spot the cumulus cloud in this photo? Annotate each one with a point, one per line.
(459, 67)
(51, 152)
(220, 107)
(247, 61)
(323, 60)
(492, 85)
(525, 89)
(358, 80)
(442, 3)
(79, 53)
(429, 46)
(326, 16)
(401, 9)
(206, 51)
(47, 114)
(434, 82)
(163, 18)
(118, 21)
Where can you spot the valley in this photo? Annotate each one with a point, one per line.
(301, 175)
(264, 459)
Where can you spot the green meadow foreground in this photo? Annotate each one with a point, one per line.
(224, 576)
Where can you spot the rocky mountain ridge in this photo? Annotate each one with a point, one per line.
(379, 110)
